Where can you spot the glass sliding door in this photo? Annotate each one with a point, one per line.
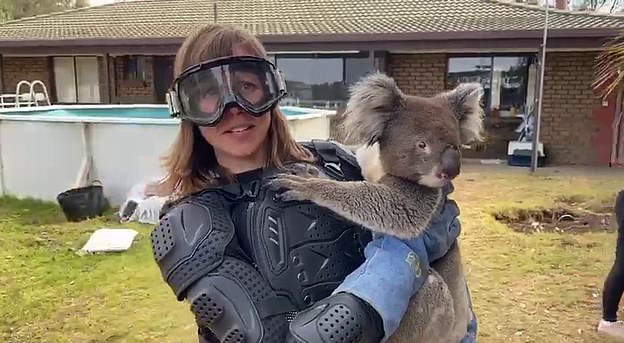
(65, 79)
(77, 79)
(88, 79)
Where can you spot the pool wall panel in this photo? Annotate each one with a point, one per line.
(40, 159)
(41, 156)
(127, 154)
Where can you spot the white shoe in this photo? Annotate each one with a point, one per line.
(614, 330)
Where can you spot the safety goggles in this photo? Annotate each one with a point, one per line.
(203, 92)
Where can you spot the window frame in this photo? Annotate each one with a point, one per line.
(488, 107)
(343, 56)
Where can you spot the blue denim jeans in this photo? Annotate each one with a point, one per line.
(395, 269)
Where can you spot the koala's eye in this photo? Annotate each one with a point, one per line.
(422, 145)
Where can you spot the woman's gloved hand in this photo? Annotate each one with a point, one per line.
(443, 231)
(338, 318)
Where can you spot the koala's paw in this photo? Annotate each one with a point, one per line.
(297, 187)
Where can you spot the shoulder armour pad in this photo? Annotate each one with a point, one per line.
(191, 239)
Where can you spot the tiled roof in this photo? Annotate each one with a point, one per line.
(177, 18)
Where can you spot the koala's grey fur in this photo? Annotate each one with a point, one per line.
(402, 138)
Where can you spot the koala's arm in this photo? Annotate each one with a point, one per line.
(391, 207)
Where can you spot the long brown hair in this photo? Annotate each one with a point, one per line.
(191, 163)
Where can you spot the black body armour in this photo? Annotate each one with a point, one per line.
(247, 262)
(304, 251)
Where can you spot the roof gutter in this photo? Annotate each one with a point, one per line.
(88, 42)
(326, 38)
(437, 36)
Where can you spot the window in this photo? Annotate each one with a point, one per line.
(508, 81)
(135, 68)
(313, 80)
(77, 79)
(320, 80)
(356, 68)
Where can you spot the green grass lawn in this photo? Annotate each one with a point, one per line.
(541, 287)
(50, 293)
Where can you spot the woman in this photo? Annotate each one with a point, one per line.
(255, 269)
(614, 283)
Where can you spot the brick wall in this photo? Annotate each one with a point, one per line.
(567, 119)
(567, 122)
(133, 91)
(418, 74)
(16, 69)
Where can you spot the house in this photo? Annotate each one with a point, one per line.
(124, 52)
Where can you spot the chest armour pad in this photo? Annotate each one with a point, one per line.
(305, 251)
(197, 252)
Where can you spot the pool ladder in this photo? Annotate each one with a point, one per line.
(29, 99)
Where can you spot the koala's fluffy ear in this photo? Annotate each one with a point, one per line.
(465, 102)
(371, 104)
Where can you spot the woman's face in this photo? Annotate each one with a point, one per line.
(239, 137)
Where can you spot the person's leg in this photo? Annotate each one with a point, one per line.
(614, 283)
(612, 293)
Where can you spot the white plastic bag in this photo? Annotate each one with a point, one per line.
(140, 206)
(148, 210)
(106, 240)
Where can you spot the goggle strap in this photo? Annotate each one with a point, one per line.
(172, 102)
(281, 80)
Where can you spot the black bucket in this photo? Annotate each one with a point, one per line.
(82, 203)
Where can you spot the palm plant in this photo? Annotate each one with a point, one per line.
(609, 69)
(609, 77)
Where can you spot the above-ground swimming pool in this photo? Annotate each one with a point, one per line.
(42, 149)
(128, 111)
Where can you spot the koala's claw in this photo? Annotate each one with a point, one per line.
(291, 196)
(281, 182)
(294, 186)
(291, 181)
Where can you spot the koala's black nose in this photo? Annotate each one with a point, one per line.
(450, 162)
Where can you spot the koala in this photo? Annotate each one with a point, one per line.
(409, 150)
(411, 147)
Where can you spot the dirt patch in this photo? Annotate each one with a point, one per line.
(562, 218)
